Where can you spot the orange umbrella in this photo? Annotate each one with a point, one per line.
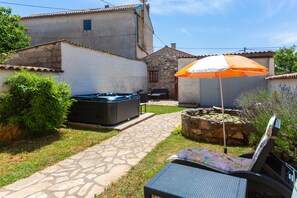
(222, 66)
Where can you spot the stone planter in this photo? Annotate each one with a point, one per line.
(10, 132)
(198, 124)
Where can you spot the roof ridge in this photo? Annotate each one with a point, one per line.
(238, 53)
(95, 49)
(78, 45)
(84, 11)
(165, 48)
(30, 68)
(282, 76)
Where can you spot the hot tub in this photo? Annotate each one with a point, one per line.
(104, 108)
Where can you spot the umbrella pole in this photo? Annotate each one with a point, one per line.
(222, 101)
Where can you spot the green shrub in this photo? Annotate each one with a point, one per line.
(39, 105)
(259, 105)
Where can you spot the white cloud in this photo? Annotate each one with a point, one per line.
(210, 29)
(185, 31)
(273, 7)
(191, 7)
(285, 38)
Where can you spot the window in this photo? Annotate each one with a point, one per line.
(153, 76)
(87, 25)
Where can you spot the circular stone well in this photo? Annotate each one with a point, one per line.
(205, 124)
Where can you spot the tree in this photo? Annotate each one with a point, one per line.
(12, 34)
(286, 60)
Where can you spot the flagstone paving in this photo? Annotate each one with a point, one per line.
(91, 171)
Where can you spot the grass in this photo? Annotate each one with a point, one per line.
(21, 158)
(131, 185)
(218, 117)
(160, 109)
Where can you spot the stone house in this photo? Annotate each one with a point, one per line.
(87, 70)
(161, 67)
(206, 92)
(124, 30)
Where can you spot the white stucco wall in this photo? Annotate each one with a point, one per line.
(275, 85)
(90, 71)
(6, 73)
(188, 88)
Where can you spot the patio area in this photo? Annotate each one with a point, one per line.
(91, 171)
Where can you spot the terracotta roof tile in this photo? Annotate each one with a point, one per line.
(283, 76)
(166, 47)
(85, 11)
(30, 68)
(246, 54)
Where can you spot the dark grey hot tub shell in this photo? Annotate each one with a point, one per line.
(91, 110)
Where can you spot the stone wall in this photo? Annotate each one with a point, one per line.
(207, 130)
(10, 132)
(164, 61)
(48, 55)
(113, 31)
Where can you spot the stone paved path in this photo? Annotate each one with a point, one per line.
(91, 171)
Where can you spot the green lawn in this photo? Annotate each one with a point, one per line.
(131, 185)
(19, 159)
(160, 109)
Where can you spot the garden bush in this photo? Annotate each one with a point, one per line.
(259, 105)
(39, 105)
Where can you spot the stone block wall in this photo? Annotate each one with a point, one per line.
(165, 61)
(48, 55)
(201, 129)
(10, 132)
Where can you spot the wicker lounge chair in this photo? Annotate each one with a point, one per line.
(266, 174)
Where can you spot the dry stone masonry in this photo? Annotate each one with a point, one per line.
(47, 55)
(206, 125)
(165, 61)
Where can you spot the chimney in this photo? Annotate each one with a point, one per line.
(173, 45)
(106, 6)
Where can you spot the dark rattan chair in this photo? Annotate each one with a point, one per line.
(266, 174)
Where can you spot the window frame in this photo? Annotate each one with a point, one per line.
(153, 76)
(87, 24)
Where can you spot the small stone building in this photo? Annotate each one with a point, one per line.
(161, 67)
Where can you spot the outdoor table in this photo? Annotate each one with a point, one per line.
(176, 180)
(156, 96)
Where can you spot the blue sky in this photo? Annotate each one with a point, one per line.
(198, 26)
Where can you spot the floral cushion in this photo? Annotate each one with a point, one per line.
(264, 140)
(214, 160)
(294, 194)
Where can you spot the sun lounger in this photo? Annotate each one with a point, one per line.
(263, 170)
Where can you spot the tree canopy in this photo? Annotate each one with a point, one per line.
(286, 60)
(12, 33)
